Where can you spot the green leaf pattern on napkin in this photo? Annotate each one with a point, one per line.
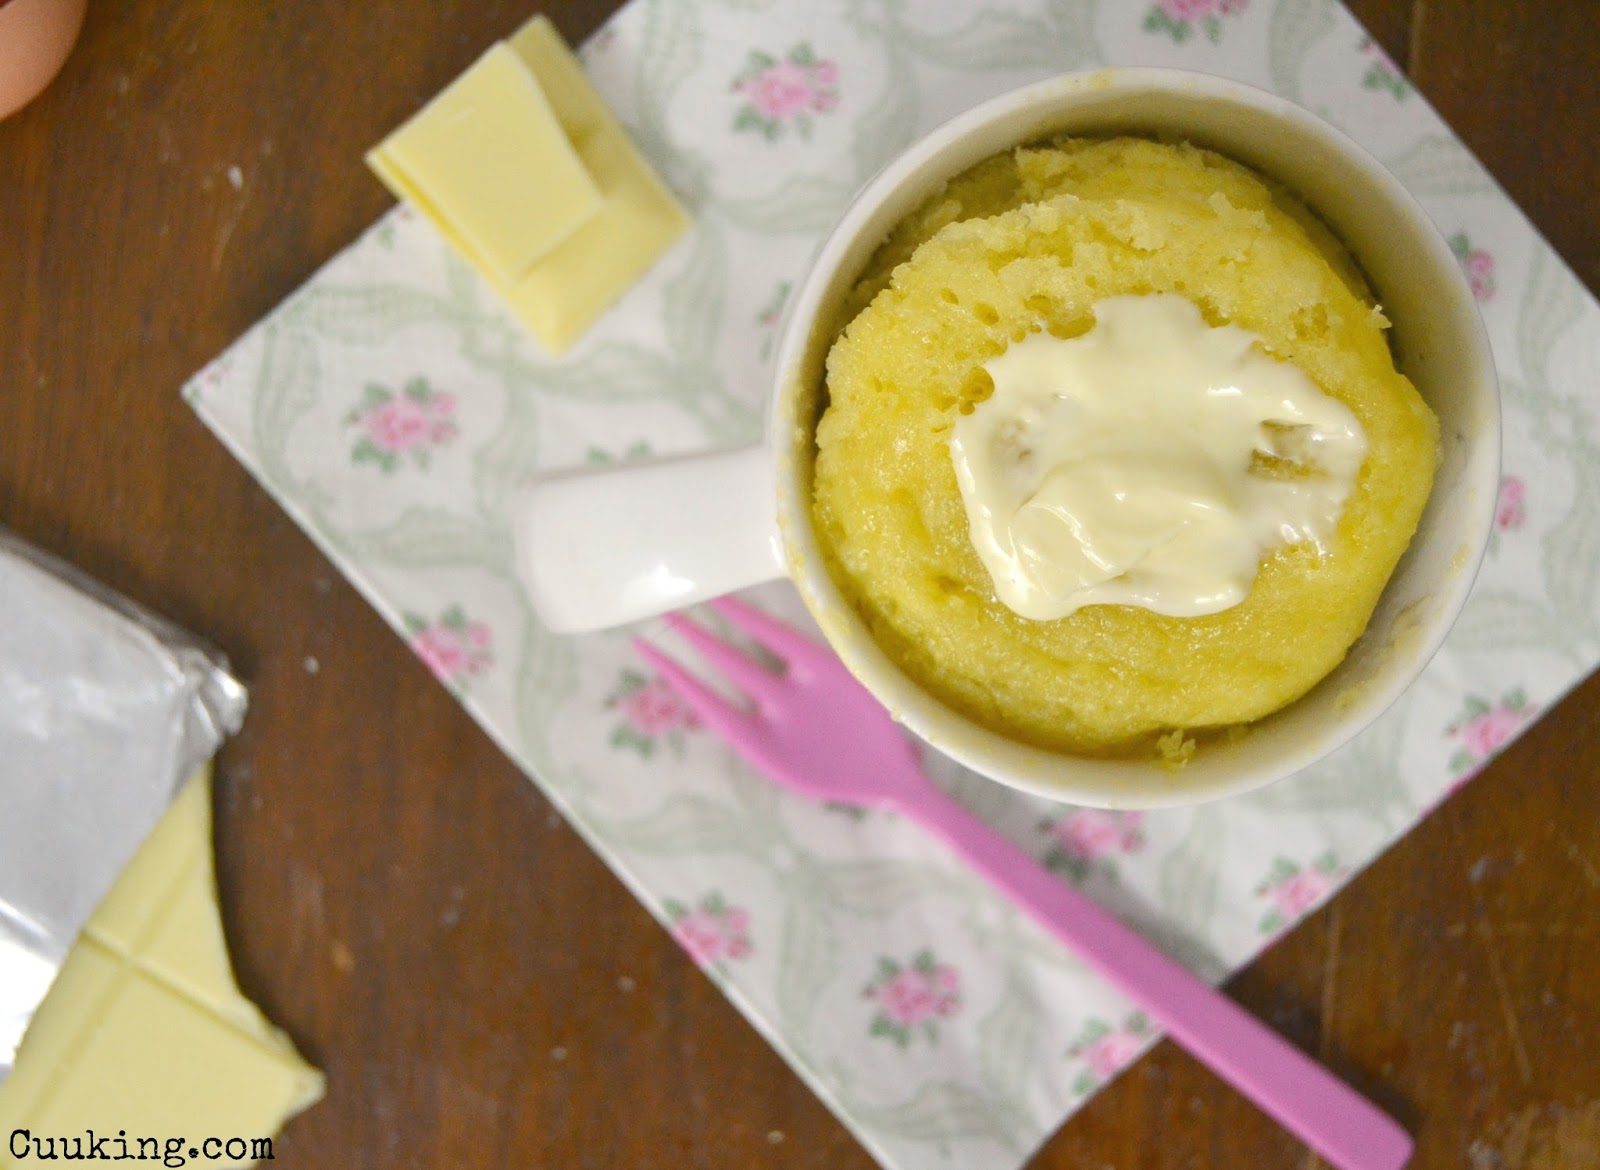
(1439, 165)
(1060, 36)
(1188, 873)
(1296, 27)
(789, 905)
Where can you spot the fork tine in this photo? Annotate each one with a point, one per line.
(744, 672)
(788, 643)
(717, 713)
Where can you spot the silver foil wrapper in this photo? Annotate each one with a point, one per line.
(105, 710)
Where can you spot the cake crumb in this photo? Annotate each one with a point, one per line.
(1175, 749)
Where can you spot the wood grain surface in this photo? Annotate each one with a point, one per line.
(479, 988)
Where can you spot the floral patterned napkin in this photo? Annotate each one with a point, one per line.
(391, 402)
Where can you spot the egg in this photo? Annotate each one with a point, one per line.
(35, 38)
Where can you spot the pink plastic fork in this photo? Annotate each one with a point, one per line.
(817, 731)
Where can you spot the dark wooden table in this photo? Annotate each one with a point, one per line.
(546, 1020)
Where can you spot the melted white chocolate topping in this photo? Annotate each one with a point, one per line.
(1151, 461)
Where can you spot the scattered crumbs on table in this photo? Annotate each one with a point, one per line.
(1541, 1137)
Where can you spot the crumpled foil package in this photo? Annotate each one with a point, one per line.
(105, 710)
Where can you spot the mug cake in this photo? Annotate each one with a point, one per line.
(1115, 457)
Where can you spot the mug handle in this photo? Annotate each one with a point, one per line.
(600, 548)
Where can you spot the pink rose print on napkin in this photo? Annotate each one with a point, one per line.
(407, 426)
(770, 315)
(454, 647)
(912, 998)
(1483, 728)
(1104, 1050)
(713, 932)
(1510, 510)
(208, 379)
(1291, 889)
(1088, 836)
(652, 714)
(1382, 74)
(1477, 264)
(781, 95)
(1179, 19)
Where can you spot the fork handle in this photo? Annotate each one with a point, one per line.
(1338, 1123)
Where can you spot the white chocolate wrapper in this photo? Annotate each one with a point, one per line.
(105, 709)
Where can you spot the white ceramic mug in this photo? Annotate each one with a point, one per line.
(597, 549)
